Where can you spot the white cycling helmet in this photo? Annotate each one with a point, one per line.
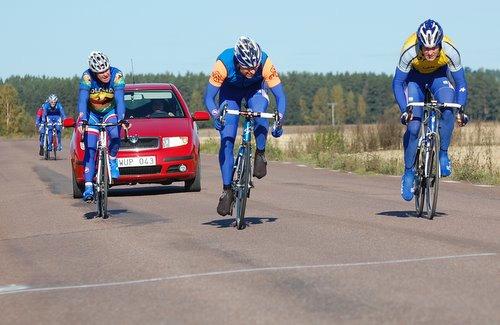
(98, 62)
(429, 34)
(52, 98)
(247, 52)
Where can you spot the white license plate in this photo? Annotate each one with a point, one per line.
(136, 161)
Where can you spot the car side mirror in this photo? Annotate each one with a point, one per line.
(69, 122)
(201, 116)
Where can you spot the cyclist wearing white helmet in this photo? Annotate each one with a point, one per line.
(242, 72)
(53, 112)
(428, 58)
(101, 99)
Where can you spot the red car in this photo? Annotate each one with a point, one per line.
(163, 145)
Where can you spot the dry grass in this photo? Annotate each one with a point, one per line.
(377, 148)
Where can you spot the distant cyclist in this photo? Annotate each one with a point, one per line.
(53, 112)
(428, 58)
(40, 128)
(242, 72)
(101, 99)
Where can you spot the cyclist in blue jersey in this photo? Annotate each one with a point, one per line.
(40, 128)
(100, 99)
(243, 72)
(53, 112)
(428, 59)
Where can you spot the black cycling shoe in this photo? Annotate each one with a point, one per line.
(225, 202)
(259, 164)
(40, 152)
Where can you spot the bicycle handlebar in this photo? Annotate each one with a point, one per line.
(251, 113)
(434, 104)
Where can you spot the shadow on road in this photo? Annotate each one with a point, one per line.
(406, 214)
(227, 223)
(112, 213)
(149, 190)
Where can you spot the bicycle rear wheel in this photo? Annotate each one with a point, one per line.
(102, 187)
(433, 172)
(242, 187)
(419, 181)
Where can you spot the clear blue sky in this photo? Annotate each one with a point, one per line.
(54, 38)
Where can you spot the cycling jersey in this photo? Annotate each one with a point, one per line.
(39, 116)
(53, 113)
(100, 98)
(412, 57)
(412, 65)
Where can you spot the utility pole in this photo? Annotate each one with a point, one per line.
(332, 105)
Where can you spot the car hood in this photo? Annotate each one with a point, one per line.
(160, 127)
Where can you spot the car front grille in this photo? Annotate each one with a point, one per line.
(142, 143)
(140, 170)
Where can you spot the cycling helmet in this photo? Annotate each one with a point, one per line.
(247, 52)
(98, 62)
(52, 98)
(429, 34)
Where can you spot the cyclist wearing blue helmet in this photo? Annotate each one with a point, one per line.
(53, 112)
(100, 99)
(428, 58)
(242, 72)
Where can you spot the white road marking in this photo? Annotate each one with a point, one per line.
(484, 185)
(17, 289)
(454, 182)
(301, 166)
(13, 287)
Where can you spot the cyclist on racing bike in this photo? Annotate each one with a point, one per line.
(53, 112)
(428, 58)
(100, 99)
(242, 72)
(40, 128)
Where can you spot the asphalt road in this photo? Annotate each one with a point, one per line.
(322, 247)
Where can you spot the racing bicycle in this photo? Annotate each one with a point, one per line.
(103, 175)
(427, 166)
(52, 126)
(242, 169)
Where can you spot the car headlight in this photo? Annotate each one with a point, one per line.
(170, 142)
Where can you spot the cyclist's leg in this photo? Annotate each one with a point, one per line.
(41, 134)
(90, 141)
(258, 101)
(114, 143)
(410, 139)
(444, 92)
(228, 135)
(59, 143)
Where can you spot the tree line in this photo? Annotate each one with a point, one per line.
(356, 97)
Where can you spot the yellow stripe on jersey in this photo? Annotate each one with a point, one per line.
(418, 62)
(218, 75)
(270, 74)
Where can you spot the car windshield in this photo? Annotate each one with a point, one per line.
(152, 104)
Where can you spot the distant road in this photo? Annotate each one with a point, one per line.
(322, 247)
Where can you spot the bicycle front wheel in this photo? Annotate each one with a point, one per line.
(419, 181)
(242, 188)
(434, 173)
(54, 145)
(102, 187)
